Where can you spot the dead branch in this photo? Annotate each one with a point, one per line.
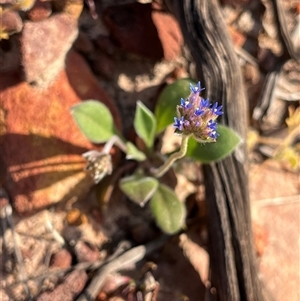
(234, 272)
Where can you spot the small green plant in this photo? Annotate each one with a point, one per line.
(201, 139)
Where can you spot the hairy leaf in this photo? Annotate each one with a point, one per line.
(214, 151)
(168, 211)
(145, 124)
(94, 120)
(132, 153)
(139, 188)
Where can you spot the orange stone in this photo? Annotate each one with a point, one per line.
(169, 34)
(41, 145)
(40, 11)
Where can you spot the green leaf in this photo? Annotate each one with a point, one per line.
(168, 211)
(169, 98)
(139, 188)
(132, 153)
(94, 120)
(214, 151)
(145, 124)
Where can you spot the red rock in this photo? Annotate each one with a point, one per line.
(142, 30)
(62, 259)
(86, 252)
(41, 145)
(42, 50)
(72, 285)
(40, 11)
(169, 34)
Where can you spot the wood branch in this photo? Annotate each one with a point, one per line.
(234, 272)
(289, 52)
(285, 37)
(118, 263)
(267, 94)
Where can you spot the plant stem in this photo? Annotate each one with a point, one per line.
(114, 140)
(158, 172)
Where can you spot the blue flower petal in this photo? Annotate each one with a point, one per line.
(217, 110)
(205, 103)
(197, 88)
(178, 123)
(185, 103)
(199, 112)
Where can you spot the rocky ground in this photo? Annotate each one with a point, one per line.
(62, 228)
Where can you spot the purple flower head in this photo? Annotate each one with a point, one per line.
(196, 116)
